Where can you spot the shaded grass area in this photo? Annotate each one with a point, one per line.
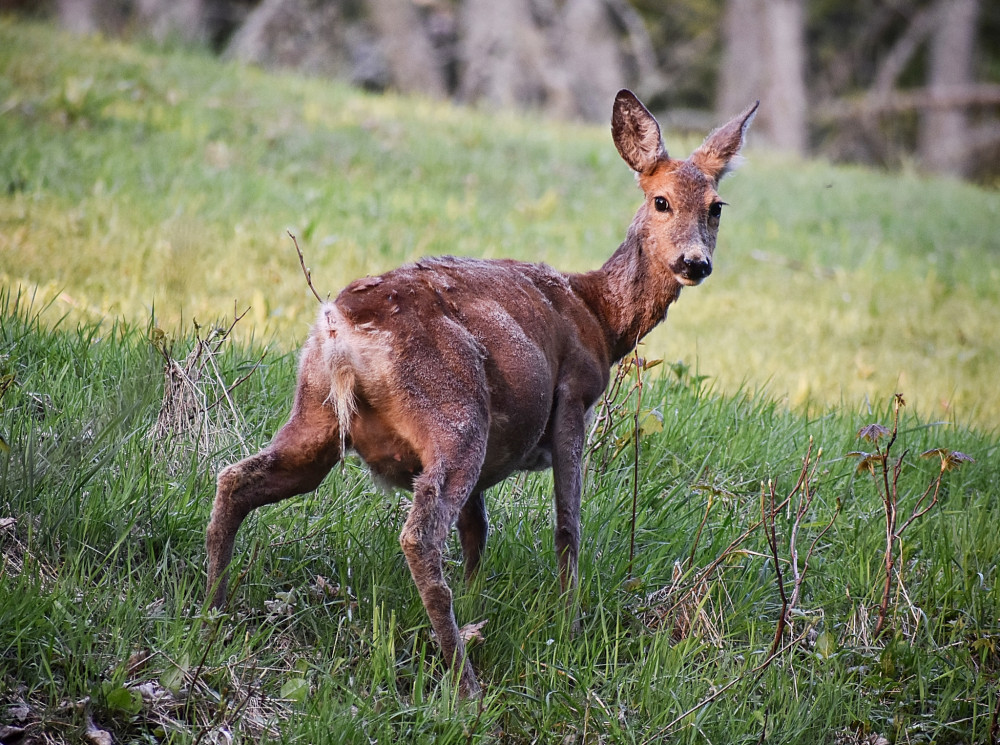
(136, 182)
(101, 584)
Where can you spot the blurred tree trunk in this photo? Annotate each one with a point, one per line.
(764, 57)
(162, 20)
(741, 77)
(506, 58)
(308, 35)
(88, 16)
(786, 89)
(566, 57)
(78, 16)
(413, 65)
(943, 144)
(592, 57)
(173, 19)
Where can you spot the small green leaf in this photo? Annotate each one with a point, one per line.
(120, 698)
(6, 381)
(650, 422)
(174, 676)
(295, 689)
(826, 645)
(633, 585)
(158, 338)
(680, 369)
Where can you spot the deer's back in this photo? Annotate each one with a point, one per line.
(470, 348)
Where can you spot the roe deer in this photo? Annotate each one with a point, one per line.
(449, 374)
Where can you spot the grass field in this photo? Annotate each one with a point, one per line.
(134, 183)
(143, 189)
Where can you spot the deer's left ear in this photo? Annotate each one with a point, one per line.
(715, 157)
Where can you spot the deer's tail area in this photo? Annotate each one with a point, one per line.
(340, 360)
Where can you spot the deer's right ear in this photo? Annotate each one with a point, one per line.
(636, 133)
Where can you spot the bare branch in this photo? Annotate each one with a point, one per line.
(636, 433)
(897, 102)
(302, 263)
(895, 61)
(223, 335)
(772, 542)
(239, 381)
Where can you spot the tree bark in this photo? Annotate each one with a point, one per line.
(307, 35)
(413, 65)
(92, 16)
(764, 57)
(786, 90)
(592, 57)
(177, 19)
(943, 142)
(78, 16)
(506, 58)
(741, 77)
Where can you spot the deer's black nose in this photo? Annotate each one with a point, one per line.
(697, 269)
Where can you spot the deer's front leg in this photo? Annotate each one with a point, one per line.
(473, 527)
(567, 454)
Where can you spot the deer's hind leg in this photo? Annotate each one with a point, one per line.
(452, 460)
(438, 495)
(295, 462)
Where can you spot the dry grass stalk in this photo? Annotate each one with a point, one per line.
(686, 610)
(197, 411)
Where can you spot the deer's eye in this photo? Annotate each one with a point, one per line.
(715, 210)
(661, 204)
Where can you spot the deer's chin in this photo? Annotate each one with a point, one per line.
(688, 281)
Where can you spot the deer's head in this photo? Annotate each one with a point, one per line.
(679, 219)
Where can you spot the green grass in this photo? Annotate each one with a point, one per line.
(102, 581)
(135, 181)
(139, 184)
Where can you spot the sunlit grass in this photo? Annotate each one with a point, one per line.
(137, 182)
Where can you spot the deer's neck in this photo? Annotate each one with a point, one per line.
(630, 294)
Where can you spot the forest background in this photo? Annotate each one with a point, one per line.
(886, 83)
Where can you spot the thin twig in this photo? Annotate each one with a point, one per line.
(302, 263)
(239, 381)
(701, 527)
(763, 730)
(772, 541)
(917, 512)
(635, 461)
(223, 335)
(705, 573)
(800, 576)
(805, 501)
